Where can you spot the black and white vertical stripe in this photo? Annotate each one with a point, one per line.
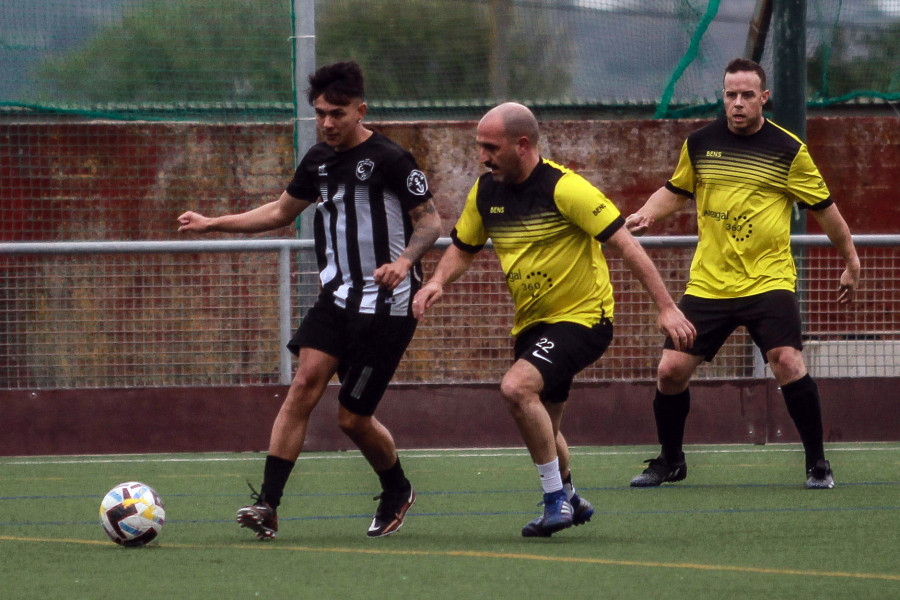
(357, 228)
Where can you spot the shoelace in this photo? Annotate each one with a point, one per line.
(254, 494)
(541, 503)
(389, 501)
(382, 511)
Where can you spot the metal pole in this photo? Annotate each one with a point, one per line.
(789, 79)
(284, 315)
(789, 93)
(304, 12)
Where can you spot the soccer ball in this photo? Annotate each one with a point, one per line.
(132, 514)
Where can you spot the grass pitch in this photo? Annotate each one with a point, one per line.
(740, 526)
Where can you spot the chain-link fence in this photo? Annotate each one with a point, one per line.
(115, 115)
(114, 316)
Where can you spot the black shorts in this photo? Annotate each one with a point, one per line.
(368, 349)
(559, 351)
(771, 318)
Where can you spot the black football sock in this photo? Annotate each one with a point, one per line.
(393, 478)
(802, 400)
(671, 413)
(275, 476)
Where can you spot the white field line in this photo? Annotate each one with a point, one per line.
(432, 453)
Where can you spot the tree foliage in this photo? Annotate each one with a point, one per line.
(434, 50)
(169, 51)
(856, 63)
(188, 51)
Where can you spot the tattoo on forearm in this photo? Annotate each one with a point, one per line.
(425, 233)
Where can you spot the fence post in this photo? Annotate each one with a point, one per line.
(284, 314)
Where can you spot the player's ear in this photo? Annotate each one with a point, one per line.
(361, 110)
(523, 144)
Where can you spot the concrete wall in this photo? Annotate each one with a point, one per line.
(240, 418)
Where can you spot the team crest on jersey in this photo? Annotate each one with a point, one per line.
(322, 171)
(364, 169)
(416, 183)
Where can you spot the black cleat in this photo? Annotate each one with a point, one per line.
(659, 471)
(820, 476)
(391, 510)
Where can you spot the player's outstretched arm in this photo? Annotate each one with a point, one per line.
(275, 214)
(452, 265)
(835, 227)
(662, 203)
(671, 320)
(426, 230)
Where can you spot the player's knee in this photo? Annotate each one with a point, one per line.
(306, 384)
(672, 378)
(353, 425)
(302, 396)
(786, 363)
(513, 388)
(519, 397)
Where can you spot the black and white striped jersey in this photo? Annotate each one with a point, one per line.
(363, 197)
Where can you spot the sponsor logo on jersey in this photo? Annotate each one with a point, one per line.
(716, 215)
(364, 169)
(537, 282)
(497, 210)
(739, 228)
(416, 183)
(599, 209)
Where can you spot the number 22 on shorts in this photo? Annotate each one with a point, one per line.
(544, 346)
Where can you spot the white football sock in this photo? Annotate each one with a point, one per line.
(551, 480)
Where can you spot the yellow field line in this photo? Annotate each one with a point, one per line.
(498, 555)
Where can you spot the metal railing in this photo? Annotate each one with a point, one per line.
(219, 312)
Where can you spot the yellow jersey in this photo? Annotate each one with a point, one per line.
(745, 188)
(546, 232)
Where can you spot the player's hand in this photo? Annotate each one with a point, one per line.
(638, 224)
(191, 221)
(425, 298)
(847, 289)
(676, 326)
(389, 275)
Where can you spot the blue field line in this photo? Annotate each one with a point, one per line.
(710, 511)
(679, 486)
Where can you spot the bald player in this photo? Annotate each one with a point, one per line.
(547, 225)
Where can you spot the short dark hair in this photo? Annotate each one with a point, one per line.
(340, 83)
(743, 64)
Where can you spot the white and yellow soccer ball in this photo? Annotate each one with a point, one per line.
(132, 514)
